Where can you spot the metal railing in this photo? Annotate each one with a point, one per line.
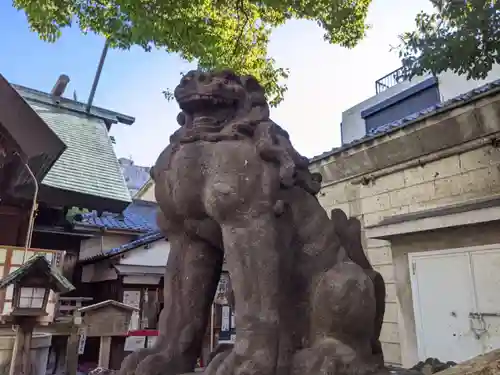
(391, 79)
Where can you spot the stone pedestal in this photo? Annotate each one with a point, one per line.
(481, 365)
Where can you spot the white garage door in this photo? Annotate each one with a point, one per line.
(456, 300)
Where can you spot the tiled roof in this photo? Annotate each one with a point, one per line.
(108, 302)
(89, 165)
(493, 86)
(135, 175)
(140, 241)
(74, 106)
(139, 216)
(59, 280)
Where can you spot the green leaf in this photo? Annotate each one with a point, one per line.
(460, 36)
(216, 33)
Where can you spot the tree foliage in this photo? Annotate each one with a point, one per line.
(461, 35)
(215, 33)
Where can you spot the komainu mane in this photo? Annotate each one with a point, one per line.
(230, 183)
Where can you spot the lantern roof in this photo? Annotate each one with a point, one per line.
(39, 265)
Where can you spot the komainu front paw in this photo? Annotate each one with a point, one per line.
(159, 364)
(130, 363)
(330, 356)
(259, 362)
(151, 361)
(222, 364)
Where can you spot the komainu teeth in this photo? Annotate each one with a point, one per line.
(213, 99)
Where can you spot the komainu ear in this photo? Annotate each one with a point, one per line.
(181, 118)
(251, 84)
(339, 219)
(349, 232)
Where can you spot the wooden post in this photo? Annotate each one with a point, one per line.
(26, 352)
(72, 352)
(104, 351)
(15, 362)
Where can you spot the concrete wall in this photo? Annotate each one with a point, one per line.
(147, 192)
(96, 272)
(450, 86)
(155, 255)
(39, 353)
(470, 171)
(96, 245)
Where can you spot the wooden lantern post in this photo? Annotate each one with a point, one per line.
(32, 284)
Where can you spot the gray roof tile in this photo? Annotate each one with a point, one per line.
(89, 164)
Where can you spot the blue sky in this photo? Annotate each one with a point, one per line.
(325, 80)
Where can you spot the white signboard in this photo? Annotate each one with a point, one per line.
(151, 341)
(133, 343)
(133, 298)
(226, 318)
(222, 290)
(81, 341)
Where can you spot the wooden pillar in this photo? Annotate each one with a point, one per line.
(104, 351)
(21, 356)
(26, 352)
(72, 352)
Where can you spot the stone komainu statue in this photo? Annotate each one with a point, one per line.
(230, 182)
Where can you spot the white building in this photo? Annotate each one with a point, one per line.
(396, 98)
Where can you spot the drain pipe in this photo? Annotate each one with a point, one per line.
(97, 76)
(29, 232)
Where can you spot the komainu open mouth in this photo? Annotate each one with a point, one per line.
(200, 102)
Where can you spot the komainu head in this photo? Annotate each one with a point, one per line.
(200, 91)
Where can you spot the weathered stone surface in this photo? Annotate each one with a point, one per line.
(487, 364)
(102, 371)
(432, 365)
(230, 183)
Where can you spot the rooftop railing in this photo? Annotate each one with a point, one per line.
(391, 79)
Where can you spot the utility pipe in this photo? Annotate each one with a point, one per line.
(29, 232)
(97, 76)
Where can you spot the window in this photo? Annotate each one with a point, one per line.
(31, 298)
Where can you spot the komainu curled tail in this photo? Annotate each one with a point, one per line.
(349, 232)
